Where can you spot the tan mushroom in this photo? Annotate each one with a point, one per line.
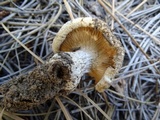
(96, 48)
(84, 45)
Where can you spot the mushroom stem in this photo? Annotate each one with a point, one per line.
(60, 75)
(82, 61)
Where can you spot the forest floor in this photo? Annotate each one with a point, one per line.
(31, 25)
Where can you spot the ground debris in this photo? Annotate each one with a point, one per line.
(3, 13)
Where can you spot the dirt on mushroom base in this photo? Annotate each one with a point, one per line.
(59, 76)
(36, 87)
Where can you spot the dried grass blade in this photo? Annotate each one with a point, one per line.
(157, 113)
(129, 98)
(34, 55)
(1, 113)
(11, 115)
(68, 9)
(66, 113)
(78, 107)
(113, 11)
(82, 8)
(93, 103)
(137, 7)
(49, 110)
(6, 2)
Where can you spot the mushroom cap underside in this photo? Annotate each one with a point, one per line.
(93, 36)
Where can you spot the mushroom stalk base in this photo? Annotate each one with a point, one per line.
(60, 75)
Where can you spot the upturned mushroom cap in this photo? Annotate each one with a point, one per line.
(93, 36)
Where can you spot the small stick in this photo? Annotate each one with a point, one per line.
(113, 11)
(137, 7)
(68, 9)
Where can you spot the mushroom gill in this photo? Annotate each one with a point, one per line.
(92, 41)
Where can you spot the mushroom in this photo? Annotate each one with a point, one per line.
(93, 49)
(84, 45)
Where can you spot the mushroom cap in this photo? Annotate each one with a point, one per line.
(95, 37)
